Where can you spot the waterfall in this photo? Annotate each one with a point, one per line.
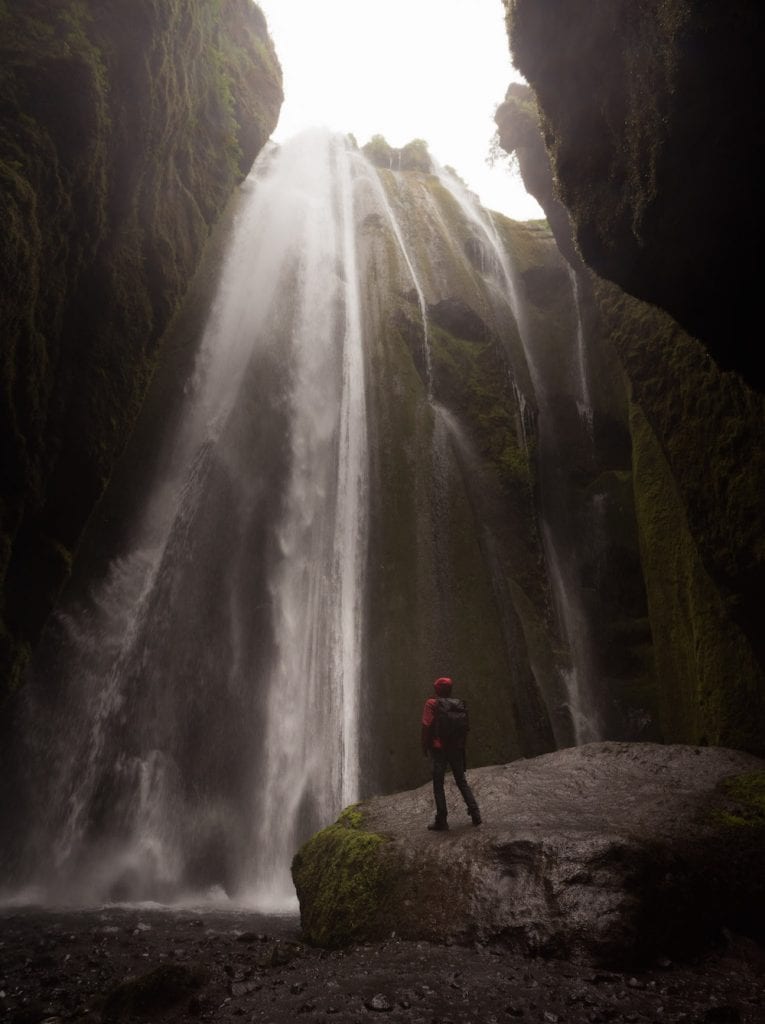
(316, 589)
(584, 400)
(206, 717)
(523, 416)
(197, 712)
(382, 199)
(580, 722)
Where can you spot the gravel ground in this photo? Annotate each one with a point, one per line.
(234, 966)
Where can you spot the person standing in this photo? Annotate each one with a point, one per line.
(444, 737)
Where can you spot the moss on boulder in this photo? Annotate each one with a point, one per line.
(342, 879)
(745, 799)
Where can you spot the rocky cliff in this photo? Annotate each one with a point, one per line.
(648, 114)
(488, 484)
(123, 130)
(698, 471)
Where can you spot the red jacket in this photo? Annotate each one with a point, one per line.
(429, 741)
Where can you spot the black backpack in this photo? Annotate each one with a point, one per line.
(452, 723)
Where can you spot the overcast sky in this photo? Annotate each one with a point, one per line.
(405, 69)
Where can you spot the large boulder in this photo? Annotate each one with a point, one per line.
(614, 852)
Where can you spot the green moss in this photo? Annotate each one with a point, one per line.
(14, 658)
(745, 797)
(414, 156)
(379, 151)
(470, 379)
(710, 685)
(698, 470)
(452, 507)
(710, 427)
(342, 879)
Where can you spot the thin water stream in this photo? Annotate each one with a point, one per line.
(581, 721)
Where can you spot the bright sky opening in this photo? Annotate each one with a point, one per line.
(405, 69)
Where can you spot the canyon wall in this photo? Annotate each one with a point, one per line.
(698, 466)
(124, 128)
(648, 112)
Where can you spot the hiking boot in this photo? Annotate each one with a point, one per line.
(438, 826)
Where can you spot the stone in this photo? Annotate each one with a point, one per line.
(380, 1003)
(609, 852)
(152, 993)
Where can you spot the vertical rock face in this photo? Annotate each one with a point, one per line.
(648, 112)
(456, 581)
(517, 122)
(697, 472)
(123, 130)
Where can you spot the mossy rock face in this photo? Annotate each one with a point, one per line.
(744, 797)
(696, 465)
(123, 132)
(698, 473)
(414, 156)
(711, 687)
(342, 879)
(456, 583)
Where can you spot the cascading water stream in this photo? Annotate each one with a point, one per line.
(580, 704)
(207, 712)
(317, 586)
(382, 199)
(584, 401)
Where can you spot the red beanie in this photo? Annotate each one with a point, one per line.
(442, 683)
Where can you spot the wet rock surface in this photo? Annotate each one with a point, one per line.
(67, 966)
(613, 852)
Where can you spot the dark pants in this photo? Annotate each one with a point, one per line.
(455, 759)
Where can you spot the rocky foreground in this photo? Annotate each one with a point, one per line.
(131, 964)
(611, 853)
